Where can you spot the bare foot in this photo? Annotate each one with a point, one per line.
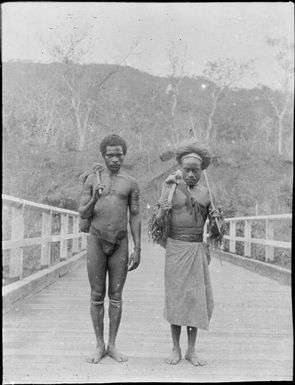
(174, 357)
(97, 355)
(113, 352)
(194, 359)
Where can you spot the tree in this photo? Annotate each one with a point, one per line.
(284, 54)
(77, 89)
(30, 100)
(221, 75)
(176, 57)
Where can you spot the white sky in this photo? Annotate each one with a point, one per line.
(209, 30)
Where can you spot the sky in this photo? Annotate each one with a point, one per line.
(209, 31)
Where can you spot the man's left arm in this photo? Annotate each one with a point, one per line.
(215, 216)
(135, 226)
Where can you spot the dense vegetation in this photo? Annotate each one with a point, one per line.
(54, 117)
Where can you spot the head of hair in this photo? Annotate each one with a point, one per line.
(191, 145)
(113, 140)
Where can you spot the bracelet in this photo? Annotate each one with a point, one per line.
(137, 248)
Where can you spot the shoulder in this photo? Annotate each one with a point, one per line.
(90, 180)
(129, 179)
(203, 189)
(202, 193)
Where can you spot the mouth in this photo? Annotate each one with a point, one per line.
(191, 182)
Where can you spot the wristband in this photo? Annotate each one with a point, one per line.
(137, 248)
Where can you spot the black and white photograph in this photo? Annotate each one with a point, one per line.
(147, 192)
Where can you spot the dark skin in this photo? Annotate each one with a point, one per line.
(110, 209)
(190, 173)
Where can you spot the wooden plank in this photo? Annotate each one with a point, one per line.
(76, 231)
(45, 246)
(13, 201)
(205, 233)
(232, 237)
(247, 234)
(273, 243)
(17, 233)
(64, 229)
(84, 241)
(53, 329)
(269, 233)
(260, 217)
(14, 244)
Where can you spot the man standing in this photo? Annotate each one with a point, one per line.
(188, 292)
(107, 248)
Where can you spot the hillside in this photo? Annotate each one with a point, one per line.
(42, 159)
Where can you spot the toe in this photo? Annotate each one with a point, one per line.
(95, 360)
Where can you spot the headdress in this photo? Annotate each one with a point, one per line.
(192, 147)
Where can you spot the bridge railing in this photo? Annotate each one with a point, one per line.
(268, 226)
(17, 241)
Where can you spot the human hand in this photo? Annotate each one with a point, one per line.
(166, 205)
(215, 213)
(207, 252)
(96, 192)
(174, 177)
(134, 260)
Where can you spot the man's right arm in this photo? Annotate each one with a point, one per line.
(88, 199)
(163, 201)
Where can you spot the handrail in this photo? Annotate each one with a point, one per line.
(268, 242)
(13, 201)
(17, 242)
(259, 217)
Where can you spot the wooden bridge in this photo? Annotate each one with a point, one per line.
(47, 330)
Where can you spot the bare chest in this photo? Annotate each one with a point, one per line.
(199, 194)
(117, 186)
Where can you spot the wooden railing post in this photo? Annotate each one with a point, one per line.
(84, 241)
(17, 233)
(269, 250)
(45, 246)
(205, 235)
(64, 230)
(247, 235)
(76, 231)
(232, 235)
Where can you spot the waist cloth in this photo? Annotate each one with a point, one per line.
(113, 238)
(188, 291)
(189, 234)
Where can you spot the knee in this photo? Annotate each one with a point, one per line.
(115, 295)
(115, 299)
(97, 297)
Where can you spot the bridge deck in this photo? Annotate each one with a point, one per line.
(46, 338)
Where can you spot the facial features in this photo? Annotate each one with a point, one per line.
(191, 170)
(114, 158)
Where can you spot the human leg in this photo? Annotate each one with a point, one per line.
(175, 355)
(191, 354)
(117, 270)
(96, 268)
